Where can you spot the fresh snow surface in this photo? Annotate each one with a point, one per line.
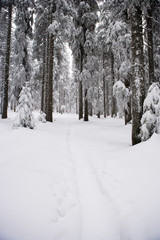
(75, 180)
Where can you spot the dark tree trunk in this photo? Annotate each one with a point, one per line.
(107, 98)
(49, 114)
(90, 110)
(104, 87)
(43, 74)
(80, 100)
(150, 46)
(137, 73)
(127, 112)
(7, 64)
(47, 75)
(113, 109)
(86, 106)
(25, 63)
(99, 112)
(81, 84)
(50, 82)
(0, 6)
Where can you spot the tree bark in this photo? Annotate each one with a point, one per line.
(81, 84)
(47, 75)
(150, 46)
(0, 6)
(127, 112)
(86, 106)
(7, 63)
(43, 74)
(90, 110)
(107, 98)
(104, 87)
(137, 73)
(49, 116)
(80, 100)
(113, 109)
(50, 54)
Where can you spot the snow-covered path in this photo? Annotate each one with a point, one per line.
(72, 180)
(98, 219)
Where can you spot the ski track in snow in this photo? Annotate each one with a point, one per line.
(97, 212)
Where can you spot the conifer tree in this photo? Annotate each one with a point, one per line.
(24, 116)
(85, 21)
(23, 34)
(151, 112)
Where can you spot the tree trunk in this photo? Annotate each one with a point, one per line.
(47, 75)
(150, 47)
(0, 6)
(113, 109)
(7, 63)
(127, 112)
(49, 116)
(86, 106)
(80, 100)
(104, 87)
(50, 82)
(81, 85)
(90, 110)
(107, 98)
(137, 73)
(43, 74)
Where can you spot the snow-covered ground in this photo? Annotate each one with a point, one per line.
(75, 180)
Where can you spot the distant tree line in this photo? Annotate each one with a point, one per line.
(87, 57)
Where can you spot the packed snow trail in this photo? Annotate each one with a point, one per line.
(98, 219)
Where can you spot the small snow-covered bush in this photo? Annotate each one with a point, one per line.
(150, 121)
(63, 109)
(42, 117)
(24, 116)
(121, 94)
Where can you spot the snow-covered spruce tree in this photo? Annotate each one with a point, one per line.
(151, 112)
(122, 97)
(39, 47)
(84, 20)
(89, 20)
(64, 85)
(114, 39)
(78, 49)
(24, 116)
(23, 34)
(60, 28)
(103, 55)
(52, 20)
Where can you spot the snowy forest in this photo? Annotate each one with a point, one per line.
(79, 86)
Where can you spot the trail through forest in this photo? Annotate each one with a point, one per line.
(97, 211)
